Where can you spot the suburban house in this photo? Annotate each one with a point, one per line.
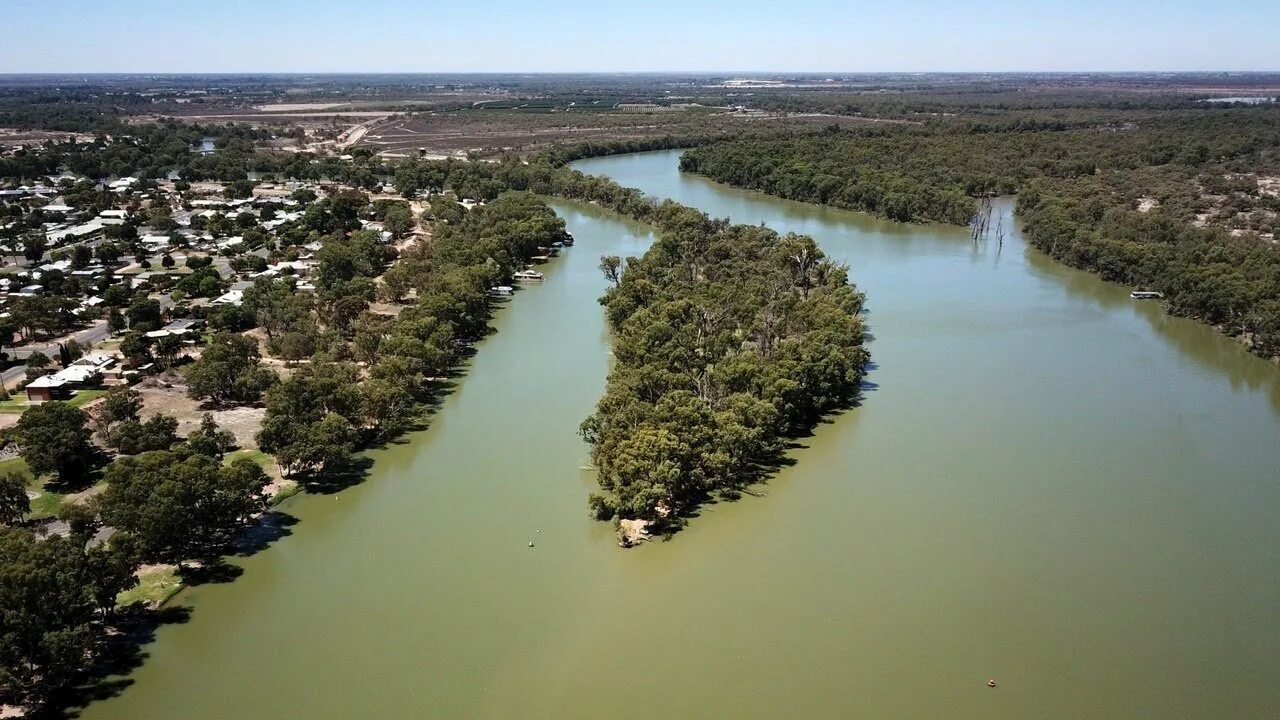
(87, 371)
(46, 388)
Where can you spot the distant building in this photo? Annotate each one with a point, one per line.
(234, 297)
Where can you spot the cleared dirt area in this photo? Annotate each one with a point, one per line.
(297, 107)
(484, 131)
(167, 393)
(10, 137)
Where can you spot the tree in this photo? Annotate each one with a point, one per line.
(396, 282)
(136, 347)
(169, 348)
(611, 267)
(310, 420)
(48, 595)
(121, 403)
(14, 503)
(210, 439)
(144, 315)
(228, 371)
(180, 507)
(33, 247)
(345, 310)
(107, 253)
(116, 322)
(74, 350)
(398, 220)
(388, 405)
(55, 439)
(321, 447)
(159, 432)
(38, 361)
(81, 256)
(167, 261)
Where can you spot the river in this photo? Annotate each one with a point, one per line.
(1047, 484)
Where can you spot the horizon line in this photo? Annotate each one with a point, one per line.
(1218, 71)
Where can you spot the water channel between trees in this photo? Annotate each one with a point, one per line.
(1047, 483)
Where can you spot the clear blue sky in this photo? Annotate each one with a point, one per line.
(656, 35)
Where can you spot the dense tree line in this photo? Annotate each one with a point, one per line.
(364, 387)
(1171, 203)
(1207, 273)
(728, 339)
(933, 174)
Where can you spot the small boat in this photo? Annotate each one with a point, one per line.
(501, 290)
(557, 244)
(568, 239)
(1146, 295)
(529, 275)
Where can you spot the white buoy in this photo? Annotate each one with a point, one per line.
(530, 544)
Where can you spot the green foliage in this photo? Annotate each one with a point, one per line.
(728, 338)
(52, 591)
(131, 437)
(179, 506)
(210, 439)
(931, 173)
(55, 439)
(144, 315)
(14, 503)
(120, 404)
(228, 371)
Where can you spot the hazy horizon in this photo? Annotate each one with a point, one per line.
(574, 36)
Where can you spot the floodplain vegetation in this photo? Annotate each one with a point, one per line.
(1185, 202)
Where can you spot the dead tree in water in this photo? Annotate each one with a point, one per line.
(1000, 230)
(981, 220)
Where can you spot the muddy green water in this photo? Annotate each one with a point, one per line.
(1047, 483)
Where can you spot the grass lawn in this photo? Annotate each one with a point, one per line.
(46, 503)
(263, 459)
(154, 588)
(19, 405)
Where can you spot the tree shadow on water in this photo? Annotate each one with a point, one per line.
(273, 526)
(336, 480)
(123, 651)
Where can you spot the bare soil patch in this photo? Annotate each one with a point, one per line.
(167, 393)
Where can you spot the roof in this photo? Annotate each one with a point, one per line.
(184, 324)
(47, 381)
(77, 373)
(97, 360)
(235, 297)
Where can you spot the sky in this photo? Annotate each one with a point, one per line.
(314, 36)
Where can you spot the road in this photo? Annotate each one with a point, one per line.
(86, 338)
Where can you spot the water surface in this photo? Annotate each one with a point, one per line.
(1047, 483)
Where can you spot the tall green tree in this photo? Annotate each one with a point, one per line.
(180, 507)
(55, 439)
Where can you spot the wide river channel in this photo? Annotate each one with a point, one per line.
(1047, 484)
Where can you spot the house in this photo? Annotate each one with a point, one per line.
(88, 370)
(233, 297)
(96, 360)
(47, 388)
(83, 230)
(154, 243)
(181, 327)
(75, 375)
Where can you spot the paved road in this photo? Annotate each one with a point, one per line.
(87, 338)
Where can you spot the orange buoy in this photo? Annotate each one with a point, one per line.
(991, 682)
